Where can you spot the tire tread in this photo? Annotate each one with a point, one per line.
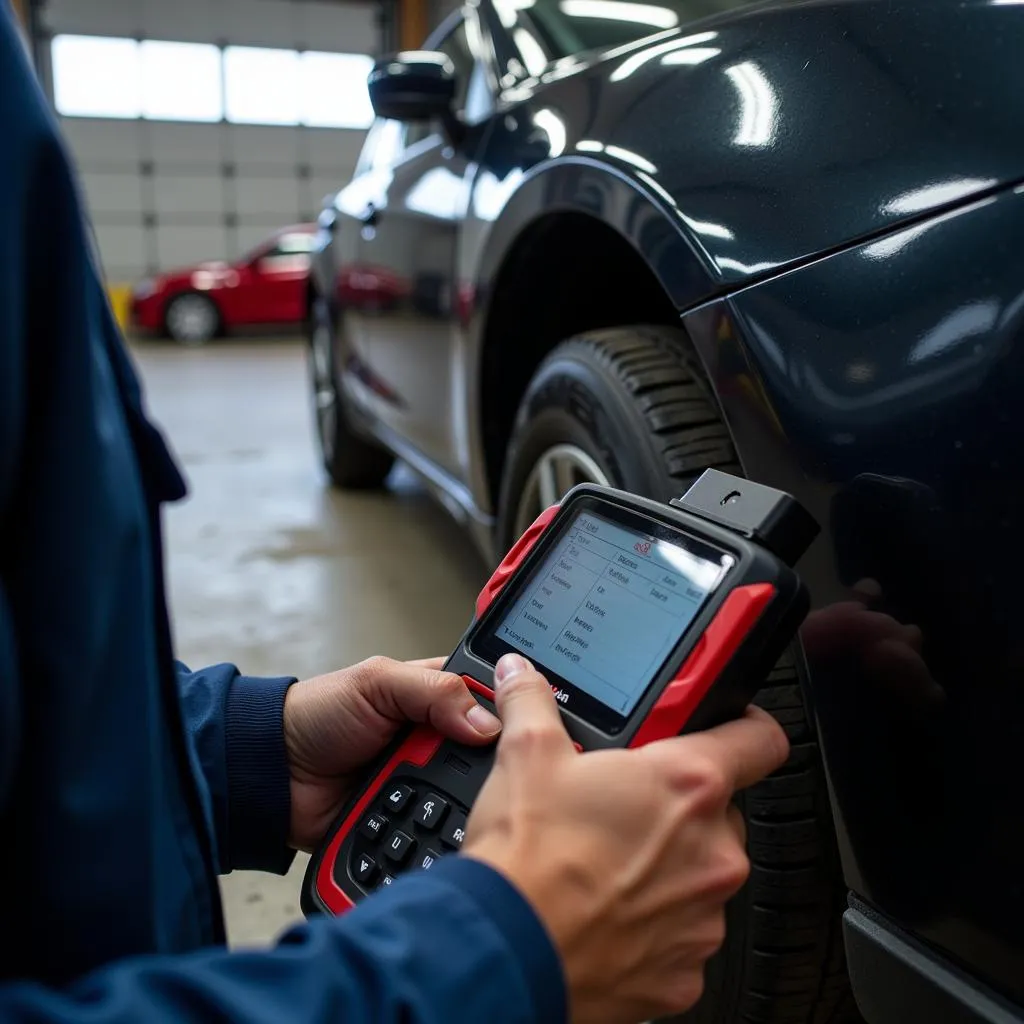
(794, 970)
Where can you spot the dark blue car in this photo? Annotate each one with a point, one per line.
(623, 242)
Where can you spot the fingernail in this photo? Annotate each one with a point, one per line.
(482, 720)
(510, 665)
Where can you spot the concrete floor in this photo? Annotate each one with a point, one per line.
(270, 569)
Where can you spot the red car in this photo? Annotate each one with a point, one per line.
(266, 286)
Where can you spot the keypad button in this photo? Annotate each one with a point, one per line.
(431, 811)
(427, 859)
(398, 847)
(455, 831)
(364, 868)
(373, 826)
(397, 796)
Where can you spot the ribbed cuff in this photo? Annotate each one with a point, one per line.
(259, 794)
(530, 947)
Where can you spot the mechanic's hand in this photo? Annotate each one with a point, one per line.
(336, 724)
(628, 856)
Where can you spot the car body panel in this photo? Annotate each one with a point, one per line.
(510, 196)
(709, 213)
(264, 287)
(408, 239)
(831, 202)
(783, 131)
(882, 387)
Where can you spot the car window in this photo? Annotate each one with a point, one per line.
(548, 30)
(291, 252)
(386, 140)
(291, 244)
(456, 46)
(473, 97)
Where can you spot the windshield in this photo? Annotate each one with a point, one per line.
(562, 28)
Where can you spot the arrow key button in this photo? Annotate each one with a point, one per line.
(364, 868)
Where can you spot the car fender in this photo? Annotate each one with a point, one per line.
(633, 208)
(780, 132)
(572, 184)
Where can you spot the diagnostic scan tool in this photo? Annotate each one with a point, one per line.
(647, 619)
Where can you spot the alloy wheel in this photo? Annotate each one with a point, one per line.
(191, 319)
(556, 472)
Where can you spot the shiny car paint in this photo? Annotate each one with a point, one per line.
(829, 195)
(882, 387)
(263, 287)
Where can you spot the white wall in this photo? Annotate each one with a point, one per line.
(162, 194)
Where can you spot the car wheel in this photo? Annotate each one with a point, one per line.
(630, 407)
(191, 319)
(351, 461)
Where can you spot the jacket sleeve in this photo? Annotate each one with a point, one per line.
(456, 943)
(235, 727)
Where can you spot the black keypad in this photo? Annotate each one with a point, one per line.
(455, 831)
(396, 797)
(427, 859)
(431, 811)
(398, 847)
(409, 827)
(373, 826)
(364, 868)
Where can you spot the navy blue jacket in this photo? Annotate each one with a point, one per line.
(127, 782)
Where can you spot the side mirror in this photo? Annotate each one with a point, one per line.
(414, 86)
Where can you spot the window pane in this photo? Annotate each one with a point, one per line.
(456, 46)
(289, 245)
(181, 81)
(297, 243)
(95, 76)
(333, 90)
(261, 86)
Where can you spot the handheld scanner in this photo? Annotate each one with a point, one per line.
(647, 619)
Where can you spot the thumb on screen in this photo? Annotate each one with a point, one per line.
(531, 723)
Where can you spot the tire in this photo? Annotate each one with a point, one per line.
(635, 401)
(351, 461)
(192, 319)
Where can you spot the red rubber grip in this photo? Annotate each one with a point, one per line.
(421, 745)
(492, 588)
(476, 687)
(720, 641)
(417, 750)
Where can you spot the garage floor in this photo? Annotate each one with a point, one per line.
(270, 569)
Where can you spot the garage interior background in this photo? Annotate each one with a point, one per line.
(167, 191)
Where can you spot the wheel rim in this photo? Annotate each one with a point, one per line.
(325, 397)
(554, 474)
(191, 318)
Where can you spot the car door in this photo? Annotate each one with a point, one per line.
(276, 280)
(400, 292)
